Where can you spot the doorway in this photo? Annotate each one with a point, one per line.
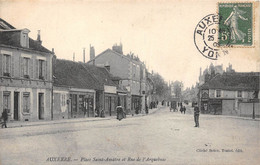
(41, 106)
(16, 105)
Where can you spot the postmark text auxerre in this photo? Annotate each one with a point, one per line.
(206, 37)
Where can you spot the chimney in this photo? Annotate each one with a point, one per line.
(53, 61)
(118, 48)
(92, 53)
(84, 55)
(39, 37)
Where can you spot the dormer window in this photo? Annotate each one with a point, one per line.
(25, 38)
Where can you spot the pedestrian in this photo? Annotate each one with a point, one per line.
(120, 113)
(184, 109)
(146, 109)
(196, 116)
(5, 118)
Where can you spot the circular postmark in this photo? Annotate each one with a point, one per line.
(206, 37)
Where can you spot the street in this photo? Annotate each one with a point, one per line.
(163, 137)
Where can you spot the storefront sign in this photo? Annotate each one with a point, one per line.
(110, 89)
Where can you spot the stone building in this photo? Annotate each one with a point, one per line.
(131, 71)
(25, 75)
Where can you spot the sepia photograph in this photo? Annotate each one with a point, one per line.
(129, 82)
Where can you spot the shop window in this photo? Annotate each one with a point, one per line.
(63, 100)
(239, 93)
(7, 101)
(218, 93)
(7, 65)
(74, 103)
(81, 102)
(26, 102)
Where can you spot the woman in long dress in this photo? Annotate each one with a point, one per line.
(231, 21)
(120, 112)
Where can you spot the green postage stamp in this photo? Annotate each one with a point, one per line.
(236, 24)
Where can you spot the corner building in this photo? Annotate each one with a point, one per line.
(25, 75)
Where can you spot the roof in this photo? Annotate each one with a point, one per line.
(234, 81)
(116, 53)
(74, 74)
(81, 75)
(9, 36)
(100, 74)
(5, 25)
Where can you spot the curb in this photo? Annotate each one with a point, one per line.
(71, 121)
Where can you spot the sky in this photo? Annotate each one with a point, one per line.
(160, 32)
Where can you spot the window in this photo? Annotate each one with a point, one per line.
(218, 93)
(26, 67)
(7, 65)
(239, 93)
(26, 102)
(134, 70)
(6, 101)
(41, 69)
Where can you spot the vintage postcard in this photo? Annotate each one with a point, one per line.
(160, 82)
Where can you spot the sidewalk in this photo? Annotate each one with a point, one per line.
(14, 124)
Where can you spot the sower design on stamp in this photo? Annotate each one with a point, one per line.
(238, 18)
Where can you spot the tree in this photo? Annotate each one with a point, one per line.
(161, 88)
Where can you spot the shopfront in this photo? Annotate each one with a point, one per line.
(136, 103)
(111, 100)
(82, 104)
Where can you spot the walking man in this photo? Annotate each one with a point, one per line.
(5, 118)
(196, 116)
(184, 109)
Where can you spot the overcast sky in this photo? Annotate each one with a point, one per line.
(159, 32)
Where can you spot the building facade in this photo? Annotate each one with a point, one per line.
(82, 90)
(231, 94)
(25, 75)
(131, 71)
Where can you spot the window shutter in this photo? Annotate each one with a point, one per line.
(21, 66)
(4, 63)
(44, 70)
(31, 68)
(12, 66)
(29, 103)
(1, 66)
(36, 72)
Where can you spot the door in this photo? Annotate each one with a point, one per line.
(41, 106)
(16, 105)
